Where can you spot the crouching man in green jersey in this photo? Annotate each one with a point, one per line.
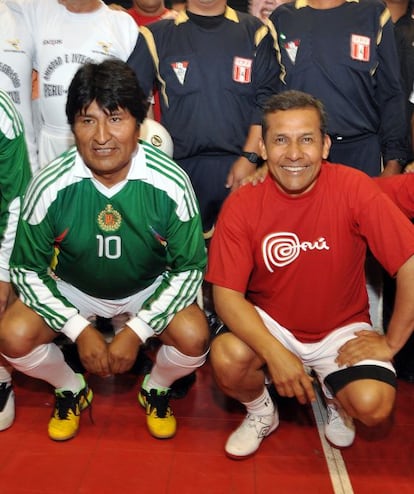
(111, 228)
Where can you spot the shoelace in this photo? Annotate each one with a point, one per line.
(66, 401)
(159, 402)
(332, 415)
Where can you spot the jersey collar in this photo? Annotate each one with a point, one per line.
(299, 4)
(229, 14)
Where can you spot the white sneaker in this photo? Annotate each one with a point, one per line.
(6, 406)
(246, 439)
(339, 428)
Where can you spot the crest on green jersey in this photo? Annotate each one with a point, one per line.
(109, 220)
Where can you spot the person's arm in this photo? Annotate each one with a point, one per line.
(123, 350)
(286, 369)
(93, 351)
(266, 80)
(31, 259)
(371, 345)
(15, 174)
(402, 321)
(30, 273)
(242, 167)
(391, 102)
(401, 190)
(392, 167)
(143, 61)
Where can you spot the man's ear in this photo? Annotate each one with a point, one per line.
(262, 148)
(326, 146)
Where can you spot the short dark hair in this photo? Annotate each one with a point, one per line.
(293, 100)
(112, 84)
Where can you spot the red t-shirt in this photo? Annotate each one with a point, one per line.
(401, 190)
(301, 259)
(143, 20)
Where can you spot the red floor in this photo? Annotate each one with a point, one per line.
(117, 455)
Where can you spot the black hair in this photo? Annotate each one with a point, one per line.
(293, 100)
(112, 84)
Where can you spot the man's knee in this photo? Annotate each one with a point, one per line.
(231, 358)
(21, 330)
(371, 401)
(188, 332)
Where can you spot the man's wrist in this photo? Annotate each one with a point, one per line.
(394, 349)
(74, 326)
(140, 328)
(252, 157)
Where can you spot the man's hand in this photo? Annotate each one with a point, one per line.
(123, 350)
(290, 377)
(409, 168)
(392, 167)
(366, 345)
(93, 351)
(241, 169)
(257, 177)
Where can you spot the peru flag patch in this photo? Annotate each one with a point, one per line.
(360, 47)
(242, 70)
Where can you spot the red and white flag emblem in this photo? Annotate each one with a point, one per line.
(180, 69)
(291, 48)
(242, 70)
(360, 47)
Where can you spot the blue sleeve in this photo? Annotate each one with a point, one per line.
(142, 61)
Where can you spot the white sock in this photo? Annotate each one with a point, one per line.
(263, 405)
(170, 365)
(5, 376)
(46, 362)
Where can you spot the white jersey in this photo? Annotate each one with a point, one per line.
(63, 41)
(16, 58)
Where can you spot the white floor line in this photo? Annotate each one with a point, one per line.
(337, 470)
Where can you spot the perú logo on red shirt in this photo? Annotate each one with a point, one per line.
(280, 249)
(242, 70)
(360, 47)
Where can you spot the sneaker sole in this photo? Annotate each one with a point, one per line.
(337, 446)
(157, 436)
(240, 458)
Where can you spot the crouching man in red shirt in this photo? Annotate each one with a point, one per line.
(287, 265)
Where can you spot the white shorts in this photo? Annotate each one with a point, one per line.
(320, 356)
(120, 310)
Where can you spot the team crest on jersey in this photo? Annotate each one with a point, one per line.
(242, 70)
(180, 70)
(291, 48)
(105, 46)
(109, 220)
(360, 47)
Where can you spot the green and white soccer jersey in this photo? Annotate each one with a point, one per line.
(14, 176)
(110, 243)
(16, 61)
